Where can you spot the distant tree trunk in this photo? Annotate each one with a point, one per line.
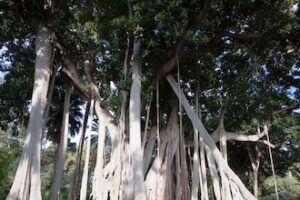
(49, 100)
(27, 183)
(255, 182)
(255, 162)
(60, 160)
(135, 124)
(75, 180)
(84, 182)
(223, 138)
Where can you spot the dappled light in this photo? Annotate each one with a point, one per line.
(149, 100)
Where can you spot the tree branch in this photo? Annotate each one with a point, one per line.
(88, 91)
(170, 64)
(244, 138)
(71, 72)
(293, 106)
(77, 84)
(267, 143)
(244, 37)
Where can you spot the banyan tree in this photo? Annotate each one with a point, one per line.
(164, 86)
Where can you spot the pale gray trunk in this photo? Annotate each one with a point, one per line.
(178, 179)
(223, 138)
(222, 164)
(196, 165)
(223, 145)
(196, 175)
(98, 184)
(84, 182)
(202, 172)
(255, 182)
(203, 168)
(226, 194)
(135, 124)
(169, 144)
(255, 162)
(213, 172)
(61, 155)
(159, 180)
(27, 183)
(127, 173)
(183, 170)
(122, 131)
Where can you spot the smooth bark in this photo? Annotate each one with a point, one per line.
(84, 182)
(159, 178)
(59, 165)
(255, 163)
(98, 184)
(27, 183)
(196, 176)
(203, 168)
(214, 173)
(135, 124)
(208, 140)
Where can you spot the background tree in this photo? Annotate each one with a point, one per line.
(244, 55)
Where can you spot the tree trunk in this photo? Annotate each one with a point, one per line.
(203, 168)
(222, 164)
(255, 162)
(75, 180)
(255, 182)
(84, 182)
(135, 124)
(202, 171)
(118, 183)
(59, 166)
(196, 165)
(159, 180)
(98, 184)
(27, 183)
(213, 173)
(223, 138)
(185, 187)
(148, 151)
(49, 100)
(196, 176)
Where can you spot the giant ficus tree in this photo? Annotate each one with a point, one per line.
(153, 74)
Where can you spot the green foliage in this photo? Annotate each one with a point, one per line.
(16, 90)
(5, 161)
(244, 55)
(288, 188)
(9, 154)
(287, 128)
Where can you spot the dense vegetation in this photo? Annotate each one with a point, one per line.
(109, 99)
